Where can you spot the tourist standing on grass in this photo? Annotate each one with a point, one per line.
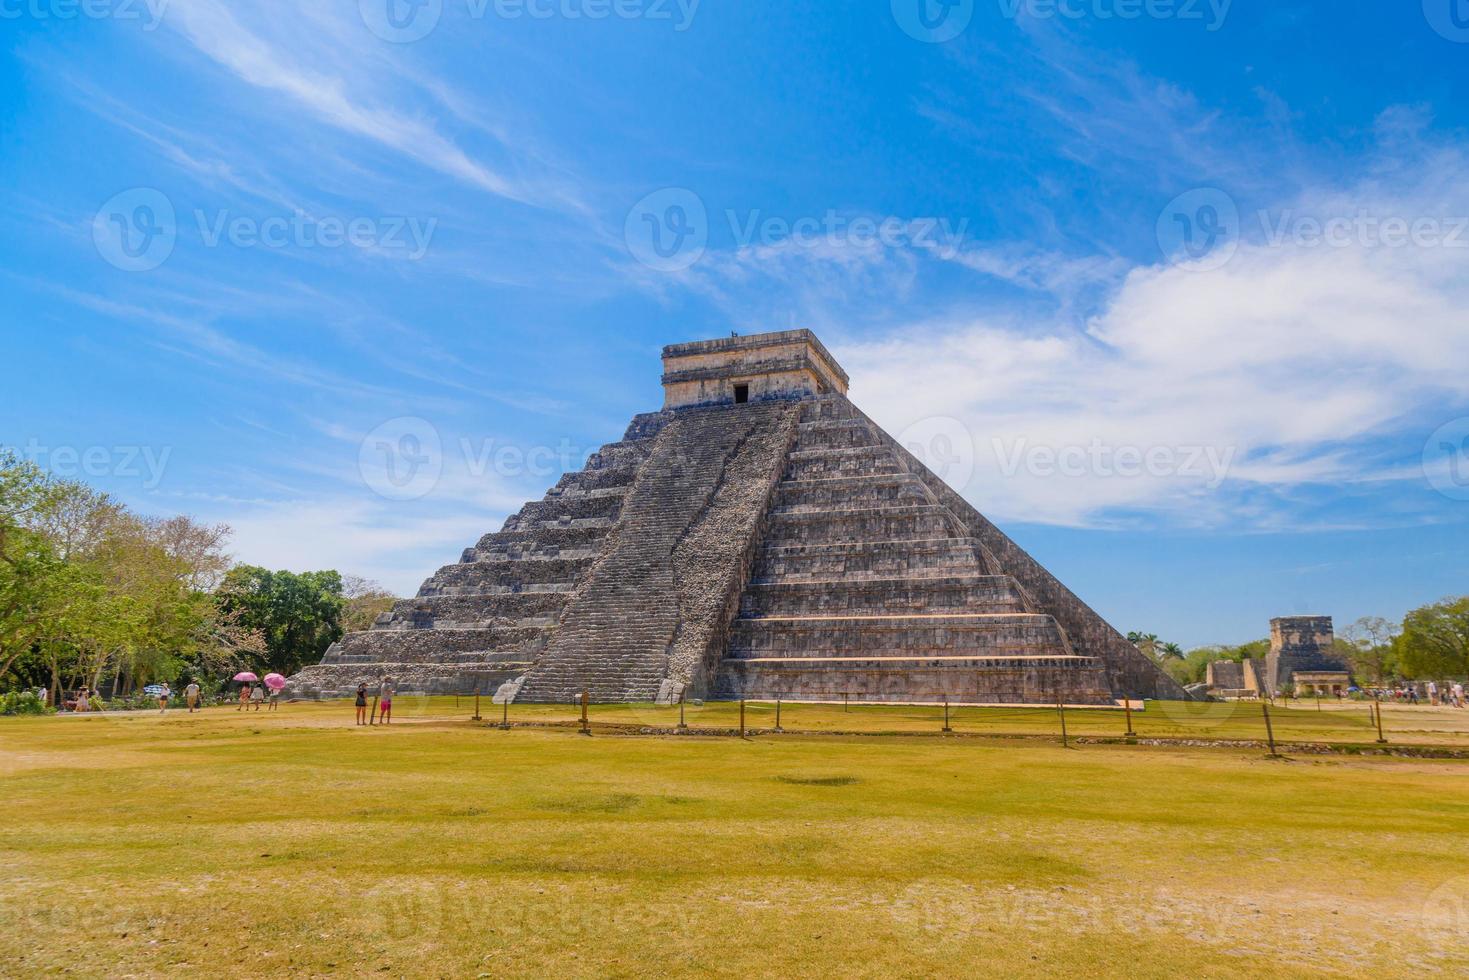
(163, 696)
(385, 698)
(361, 704)
(257, 695)
(191, 696)
(1458, 694)
(82, 701)
(244, 697)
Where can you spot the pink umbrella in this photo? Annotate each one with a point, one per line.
(275, 681)
(245, 675)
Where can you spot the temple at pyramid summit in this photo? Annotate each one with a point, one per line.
(758, 537)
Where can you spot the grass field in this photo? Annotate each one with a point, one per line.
(295, 843)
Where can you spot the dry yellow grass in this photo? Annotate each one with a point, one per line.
(296, 844)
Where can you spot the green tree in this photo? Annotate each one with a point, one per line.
(1435, 640)
(298, 615)
(1368, 646)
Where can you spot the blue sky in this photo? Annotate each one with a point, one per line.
(1172, 291)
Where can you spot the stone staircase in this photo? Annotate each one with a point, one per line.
(866, 587)
(485, 620)
(618, 632)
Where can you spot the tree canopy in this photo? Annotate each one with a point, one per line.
(92, 594)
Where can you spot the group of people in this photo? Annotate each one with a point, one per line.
(384, 702)
(1451, 695)
(258, 696)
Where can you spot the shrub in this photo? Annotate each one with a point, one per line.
(23, 703)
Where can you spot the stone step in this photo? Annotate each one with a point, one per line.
(546, 540)
(847, 492)
(570, 509)
(1025, 680)
(904, 558)
(424, 646)
(865, 524)
(887, 596)
(813, 464)
(834, 434)
(1021, 634)
(827, 408)
(424, 611)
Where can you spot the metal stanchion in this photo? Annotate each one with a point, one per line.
(505, 715)
(742, 717)
(682, 726)
(1061, 710)
(777, 714)
(946, 714)
(476, 705)
(586, 728)
(1127, 708)
(1269, 730)
(1380, 739)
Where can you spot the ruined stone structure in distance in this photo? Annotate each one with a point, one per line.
(758, 537)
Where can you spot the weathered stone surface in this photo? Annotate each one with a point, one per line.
(759, 537)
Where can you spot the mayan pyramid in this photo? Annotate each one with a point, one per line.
(759, 537)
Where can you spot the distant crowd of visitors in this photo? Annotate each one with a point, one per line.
(251, 696)
(1449, 694)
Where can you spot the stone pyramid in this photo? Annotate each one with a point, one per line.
(759, 537)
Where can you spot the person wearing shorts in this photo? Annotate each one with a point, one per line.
(191, 695)
(257, 695)
(163, 697)
(361, 704)
(244, 697)
(385, 699)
